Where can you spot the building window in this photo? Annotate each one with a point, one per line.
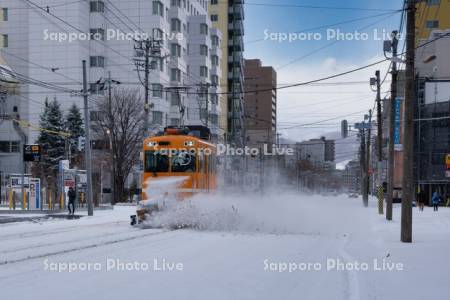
(9, 147)
(158, 8)
(97, 34)
(175, 100)
(3, 41)
(432, 24)
(175, 25)
(214, 98)
(4, 15)
(204, 29)
(96, 116)
(158, 35)
(433, 2)
(203, 71)
(214, 119)
(175, 50)
(157, 117)
(97, 6)
(203, 50)
(175, 3)
(214, 18)
(97, 61)
(215, 41)
(174, 122)
(214, 2)
(95, 88)
(214, 60)
(203, 113)
(214, 80)
(175, 75)
(157, 90)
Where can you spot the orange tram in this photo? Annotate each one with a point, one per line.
(182, 155)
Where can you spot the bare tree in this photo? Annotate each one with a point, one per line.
(120, 124)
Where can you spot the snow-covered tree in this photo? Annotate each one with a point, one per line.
(74, 126)
(51, 141)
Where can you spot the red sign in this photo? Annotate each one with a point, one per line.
(69, 183)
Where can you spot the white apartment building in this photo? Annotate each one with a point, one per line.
(36, 44)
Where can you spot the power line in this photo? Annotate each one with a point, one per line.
(281, 5)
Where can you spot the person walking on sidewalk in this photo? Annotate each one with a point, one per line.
(435, 201)
(72, 195)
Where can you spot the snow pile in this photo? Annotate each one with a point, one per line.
(275, 212)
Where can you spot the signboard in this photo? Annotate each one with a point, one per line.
(447, 161)
(35, 193)
(397, 129)
(16, 181)
(32, 153)
(447, 174)
(361, 126)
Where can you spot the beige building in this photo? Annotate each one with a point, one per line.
(260, 107)
(228, 16)
(431, 15)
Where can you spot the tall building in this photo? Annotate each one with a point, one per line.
(261, 107)
(103, 33)
(228, 17)
(11, 136)
(432, 142)
(431, 15)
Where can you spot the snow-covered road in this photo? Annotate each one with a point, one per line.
(244, 263)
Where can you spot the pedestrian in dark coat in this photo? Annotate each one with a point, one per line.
(72, 196)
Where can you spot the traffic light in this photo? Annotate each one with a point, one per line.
(81, 143)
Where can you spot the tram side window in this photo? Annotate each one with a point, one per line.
(156, 162)
(183, 161)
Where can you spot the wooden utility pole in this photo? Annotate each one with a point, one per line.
(391, 147)
(379, 184)
(408, 140)
(368, 158)
(365, 196)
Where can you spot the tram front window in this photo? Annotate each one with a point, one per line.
(183, 161)
(156, 163)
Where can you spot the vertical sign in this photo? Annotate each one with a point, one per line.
(397, 125)
(35, 193)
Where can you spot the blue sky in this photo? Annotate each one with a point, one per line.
(283, 19)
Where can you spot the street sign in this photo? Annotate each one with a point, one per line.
(360, 126)
(32, 153)
(397, 125)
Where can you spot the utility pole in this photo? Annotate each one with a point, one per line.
(377, 82)
(149, 48)
(391, 149)
(87, 147)
(408, 151)
(368, 158)
(363, 167)
(204, 90)
(111, 144)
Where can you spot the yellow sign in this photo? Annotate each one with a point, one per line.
(447, 160)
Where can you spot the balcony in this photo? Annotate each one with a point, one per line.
(237, 11)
